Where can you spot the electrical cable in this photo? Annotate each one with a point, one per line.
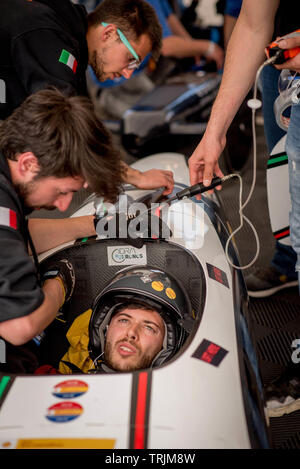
(254, 104)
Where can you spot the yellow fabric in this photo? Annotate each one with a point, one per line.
(78, 337)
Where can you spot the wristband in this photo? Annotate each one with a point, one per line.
(211, 48)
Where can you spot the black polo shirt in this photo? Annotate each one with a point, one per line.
(20, 293)
(43, 43)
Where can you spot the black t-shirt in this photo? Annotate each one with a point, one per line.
(20, 293)
(287, 17)
(43, 43)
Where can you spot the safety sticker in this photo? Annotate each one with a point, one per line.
(170, 293)
(64, 412)
(157, 286)
(210, 353)
(70, 389)
(217, 274)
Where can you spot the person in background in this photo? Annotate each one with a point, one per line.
(51, 42)
(245, 53)
(118, 95)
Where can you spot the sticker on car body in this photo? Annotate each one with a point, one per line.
(126, 255)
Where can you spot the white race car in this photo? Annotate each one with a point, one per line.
(206, 395)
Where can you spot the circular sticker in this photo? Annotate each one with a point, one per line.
(64, 412)
(70, 389)
(158, 286)
(170, 293)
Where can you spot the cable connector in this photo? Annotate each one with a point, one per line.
(200, 188)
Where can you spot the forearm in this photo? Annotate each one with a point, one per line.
(49, 233)
(130, 175)
(229, 23)
(179, 47)
(20, 330)
(244, 55)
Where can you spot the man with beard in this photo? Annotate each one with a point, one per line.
(50, 147)
(134, 337)
(51, 42)
(137, 321)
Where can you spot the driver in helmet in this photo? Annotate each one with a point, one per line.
(140, 320)
(134, 336)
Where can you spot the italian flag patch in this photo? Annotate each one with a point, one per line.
(68, 59)
(8, 218)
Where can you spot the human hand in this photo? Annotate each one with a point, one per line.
(155, 178)
(290, 43)
(62, 270)
(203, 164)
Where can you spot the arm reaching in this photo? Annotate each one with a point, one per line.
(151, 179)
(245, 53)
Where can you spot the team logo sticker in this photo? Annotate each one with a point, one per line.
(126, 255)
(210, 353)
(64, 412)
(70, 389)
(217, 274)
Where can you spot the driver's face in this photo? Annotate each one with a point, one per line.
(133, 339)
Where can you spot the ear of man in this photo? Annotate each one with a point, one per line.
(27, 165)
(109, 32)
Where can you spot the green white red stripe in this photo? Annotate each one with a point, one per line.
(68, 59)
(8, 218)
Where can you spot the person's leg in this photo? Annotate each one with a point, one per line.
(293, 152)
(269, 81)
(281, 271)
(284, 258)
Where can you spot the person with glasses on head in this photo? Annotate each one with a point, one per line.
(114, 96)
(51, 42)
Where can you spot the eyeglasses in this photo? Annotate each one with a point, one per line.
(136, 62)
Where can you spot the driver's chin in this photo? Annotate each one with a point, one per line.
(124, 364)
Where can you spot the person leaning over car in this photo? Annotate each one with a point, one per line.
(257, 22)
(51, 42)
(50, 147)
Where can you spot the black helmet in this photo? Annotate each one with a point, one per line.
(151, 287)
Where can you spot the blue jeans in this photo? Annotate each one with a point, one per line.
(293, 152)
(284, 259)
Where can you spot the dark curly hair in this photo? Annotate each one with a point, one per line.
(66, 137)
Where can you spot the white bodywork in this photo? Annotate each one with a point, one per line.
(193, 404)
(279, 200)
